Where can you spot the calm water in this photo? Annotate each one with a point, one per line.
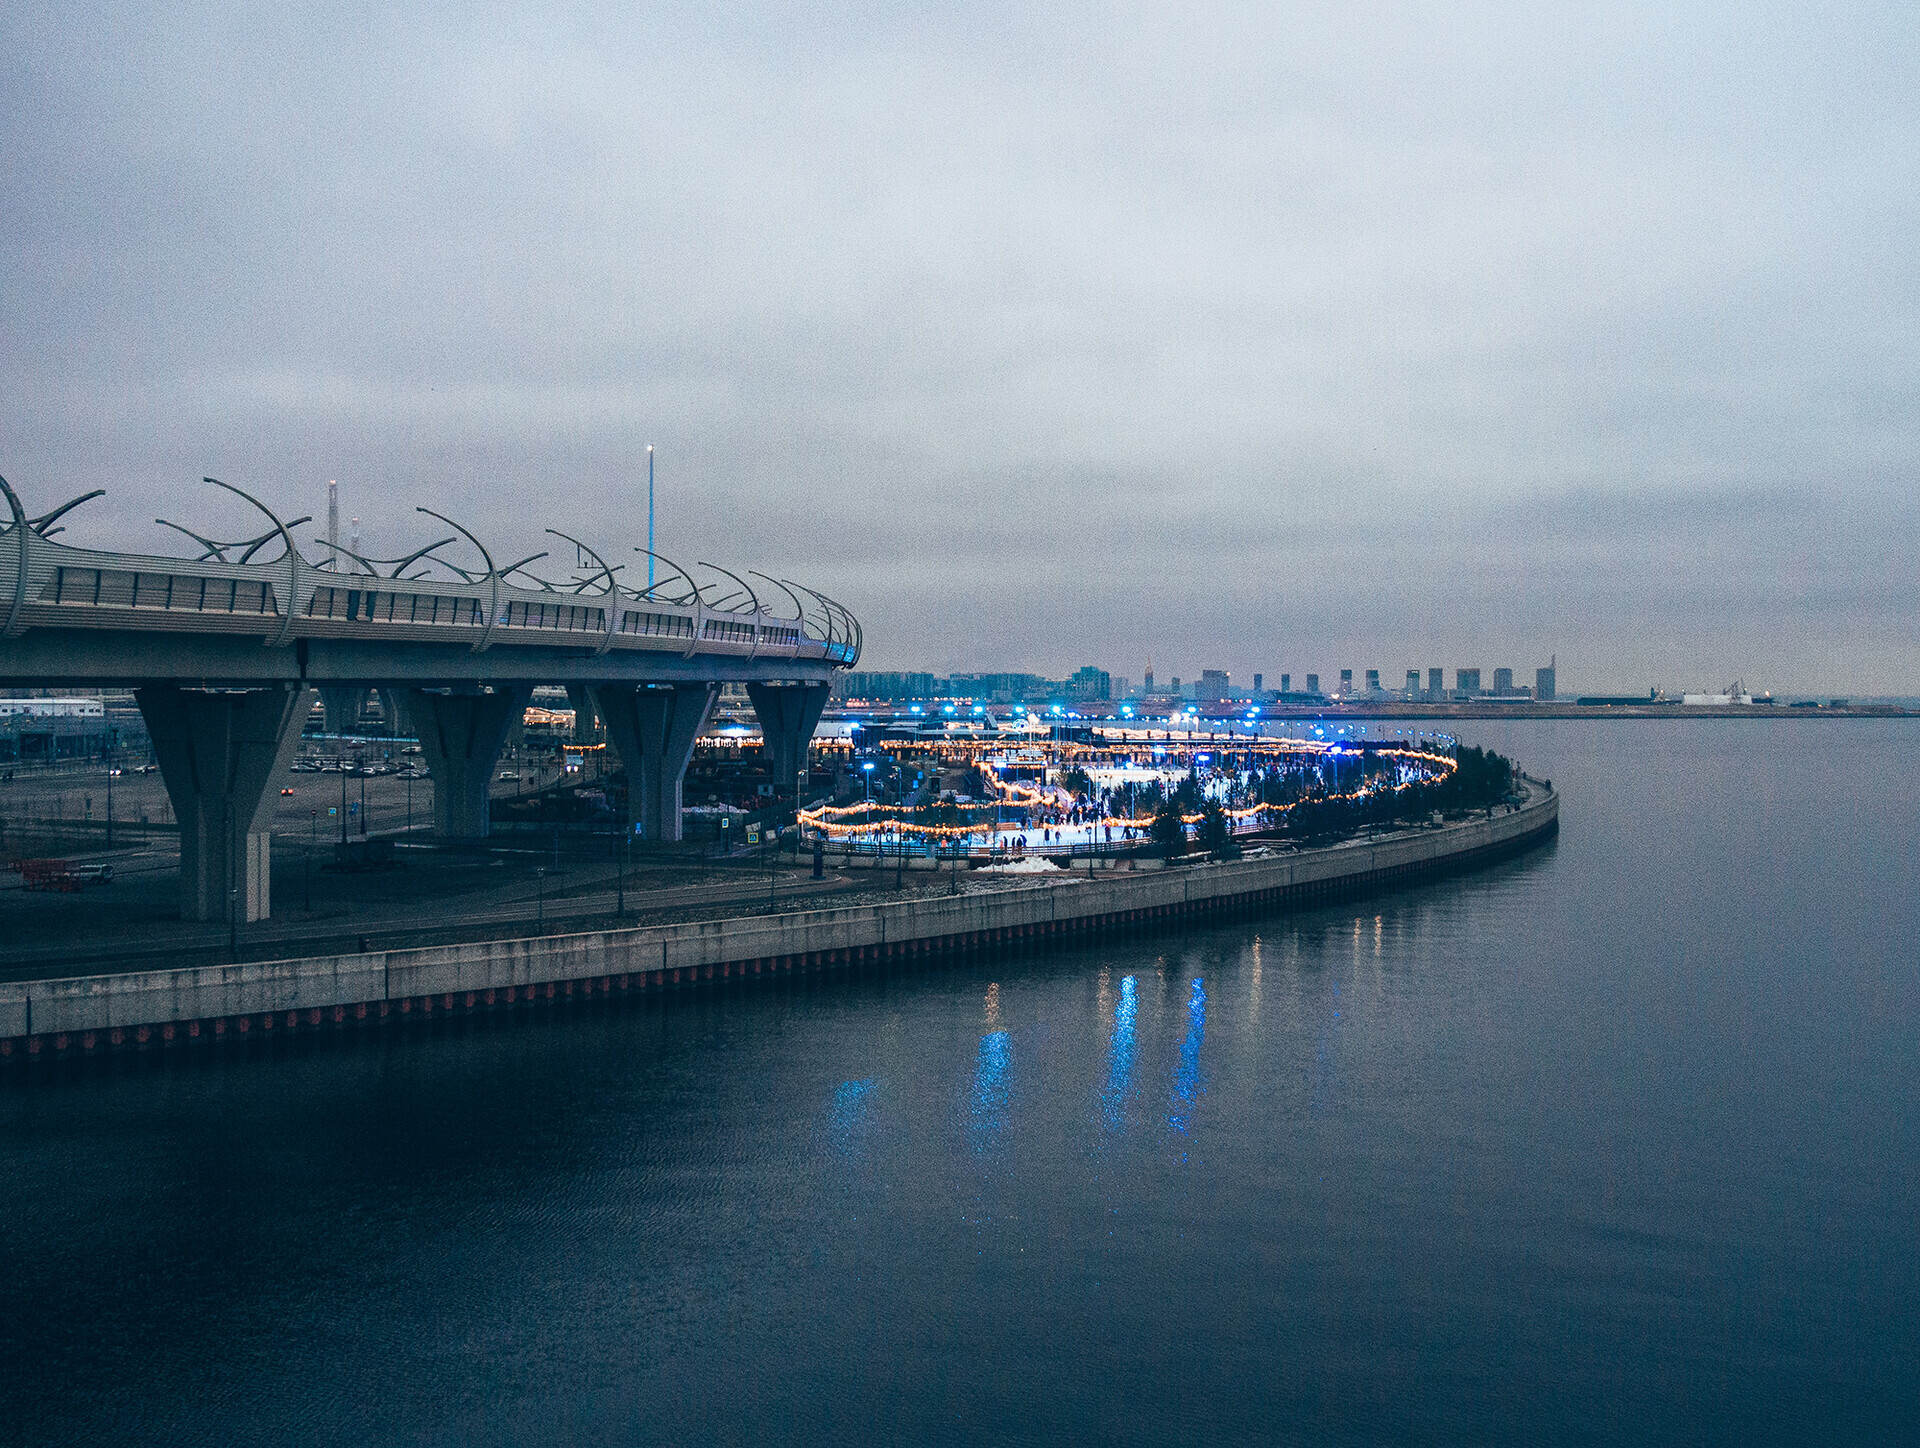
(1620, 1141)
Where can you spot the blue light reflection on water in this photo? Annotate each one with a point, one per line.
(851, 1116)
(991, 1090)
(1120, 1046)
(1187, 1082)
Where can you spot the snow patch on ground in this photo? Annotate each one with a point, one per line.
(1030, 865)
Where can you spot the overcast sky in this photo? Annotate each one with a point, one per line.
(1261, 337)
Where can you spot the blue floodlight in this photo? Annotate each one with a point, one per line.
(867, 765)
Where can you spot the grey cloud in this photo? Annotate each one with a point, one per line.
(1254, 336)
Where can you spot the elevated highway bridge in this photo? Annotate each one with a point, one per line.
(221, 649)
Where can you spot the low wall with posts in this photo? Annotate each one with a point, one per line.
(89, 1014)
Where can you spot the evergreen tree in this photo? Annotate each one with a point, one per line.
(1216, 833)
(1167, 831)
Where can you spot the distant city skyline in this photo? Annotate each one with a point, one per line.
(1393, 677)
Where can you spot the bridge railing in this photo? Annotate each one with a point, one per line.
(44, 583)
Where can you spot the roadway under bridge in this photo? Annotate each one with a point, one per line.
(221, 651)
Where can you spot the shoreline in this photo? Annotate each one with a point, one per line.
(95, 1015)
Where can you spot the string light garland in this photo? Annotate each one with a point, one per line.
(879, 819)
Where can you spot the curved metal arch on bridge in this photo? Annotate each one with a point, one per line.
(652, 587)
(612, 595)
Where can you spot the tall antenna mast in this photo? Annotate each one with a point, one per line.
(333, 521)
(649, 515)
(355, 545)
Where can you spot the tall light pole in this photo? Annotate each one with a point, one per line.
(866, 773)
(649, 515)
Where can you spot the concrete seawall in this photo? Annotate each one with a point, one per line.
(90, 1014)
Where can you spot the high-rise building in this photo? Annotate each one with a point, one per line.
(1373, 681)
(1436, 685)
(1413, 683)
(889, 686)
(1543, 680)
(1503, 681)
(1286, 683)
(1313, 683)
(1346, 683)
(1213, 686)
(1466, 682)
(1146, 686)
(1259, 683)
(1090, 683)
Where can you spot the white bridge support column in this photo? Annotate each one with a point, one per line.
(220, 755)
(789, 713)
(460, 737)
(653, 731)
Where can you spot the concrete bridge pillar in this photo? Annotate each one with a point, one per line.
(220, 756)
(788, 714)
(342, 703)
(394, 708)
(460, 737)
(653, 731)
(584, 708)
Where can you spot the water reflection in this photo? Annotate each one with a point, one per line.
(991, 1090)
(1113, 1100)
(1323, 1063)
(851, 1115)
(1187, 1084)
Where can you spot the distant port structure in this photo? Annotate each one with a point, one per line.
(221, 648)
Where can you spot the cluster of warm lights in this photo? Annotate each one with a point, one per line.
(825, 818)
